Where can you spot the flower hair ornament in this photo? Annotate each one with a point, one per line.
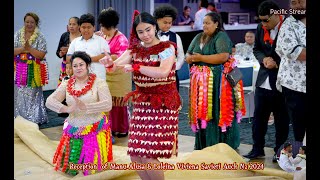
(133, 41)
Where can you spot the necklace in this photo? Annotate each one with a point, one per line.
(113, 36)
(82, 91)
(32, 38)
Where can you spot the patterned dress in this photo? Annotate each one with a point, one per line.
(86, 134)
(153, 131)
(30, 76)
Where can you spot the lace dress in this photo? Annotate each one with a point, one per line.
(86, 134)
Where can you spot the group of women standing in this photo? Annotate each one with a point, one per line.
(215, 106)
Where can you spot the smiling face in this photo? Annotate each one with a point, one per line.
(209, 26)
(79, 68)
(146, 32)
(86, 30)
(29, 24)
(164, 23)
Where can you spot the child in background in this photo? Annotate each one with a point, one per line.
(69, 73)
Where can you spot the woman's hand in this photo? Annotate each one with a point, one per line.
(196, 57)
(106, 60)
(27, 46)
(80, 104)
(188, 58)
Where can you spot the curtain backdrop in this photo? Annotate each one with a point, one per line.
(125, 9)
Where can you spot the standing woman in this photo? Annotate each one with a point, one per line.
(119, 82)
(30, 48)
(65, 40)
(216, 108)
(153, 131)
(86, 132)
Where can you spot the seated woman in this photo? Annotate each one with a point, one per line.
(86, 132)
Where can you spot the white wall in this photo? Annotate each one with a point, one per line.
(54, 16)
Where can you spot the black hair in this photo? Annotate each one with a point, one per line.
(186, 7)
(82, 55)
(287, 144)
(304, 148)
(265, 7)
(165, 11)
(108, 18)
(34, 16)
(144, 17)
(204, 3)
(212, 4)
(76, 18)
(87, 18)
(215, 17)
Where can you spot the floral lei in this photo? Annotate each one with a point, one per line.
(84, 90)
(33, 37)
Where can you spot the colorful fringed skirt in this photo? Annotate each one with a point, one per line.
(215, 107)
(30, 71)
(80, 146)
(153, 130)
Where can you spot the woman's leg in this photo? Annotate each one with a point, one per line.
(153, 174)
(142, 173)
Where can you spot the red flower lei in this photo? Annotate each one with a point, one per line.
(84, 90)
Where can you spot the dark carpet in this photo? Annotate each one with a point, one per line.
(184, 128)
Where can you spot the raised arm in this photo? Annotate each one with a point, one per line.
(53, 102)
(167, 58)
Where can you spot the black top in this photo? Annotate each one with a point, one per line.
(262, 50)
(64, 41)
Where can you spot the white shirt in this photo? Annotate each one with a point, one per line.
(180, 56)
(273, 34)
(94, 47)
(291, 41)
(299, 161)
(199, 16)
(286, 163)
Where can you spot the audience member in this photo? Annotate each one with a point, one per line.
(30, 48)
(90, 43)
(86, 132)
(212, 7)
(65, 40)
(215, 107)
(199, 16)
(119, 82)
(185, 18)
(267, 98)
(245, 50)
(291, 78)
(165, 15)
(153, 131)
